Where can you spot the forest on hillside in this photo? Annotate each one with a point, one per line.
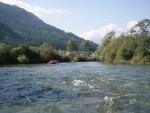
(18, 26)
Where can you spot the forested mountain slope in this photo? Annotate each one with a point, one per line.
(33, 31)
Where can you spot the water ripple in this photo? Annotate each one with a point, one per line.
(88, 87)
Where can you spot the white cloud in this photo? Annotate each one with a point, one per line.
(131, 24)
(96, 35)
(38, 11)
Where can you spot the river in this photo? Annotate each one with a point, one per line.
(88, 87)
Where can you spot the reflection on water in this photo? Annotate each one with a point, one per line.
(88, 87)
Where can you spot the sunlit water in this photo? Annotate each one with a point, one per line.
(75, 88)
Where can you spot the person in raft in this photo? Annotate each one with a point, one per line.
(53, 62)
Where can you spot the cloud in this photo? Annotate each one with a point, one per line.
(96, 35)
(131, 24)
(38, 11)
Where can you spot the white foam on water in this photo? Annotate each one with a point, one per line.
(109, 100)
(77, 82)
(108, 103)
(64, 82)
(132, 101)
(81, 83)
(28, 100)
(90, 86)
(106, 80)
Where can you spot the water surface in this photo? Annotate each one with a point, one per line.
(89, 87)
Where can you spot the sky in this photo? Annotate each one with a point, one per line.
(89, 19)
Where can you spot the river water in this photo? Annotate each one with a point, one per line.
(88, 87)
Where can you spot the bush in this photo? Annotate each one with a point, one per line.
(80, 59)
(23, 59)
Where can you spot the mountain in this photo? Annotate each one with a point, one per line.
(33, 31)
(9, 36)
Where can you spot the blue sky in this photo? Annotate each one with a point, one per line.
(90, 19)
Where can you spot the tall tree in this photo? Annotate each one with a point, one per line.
(4, 53)
(46, 52)
(70, 45)
(101, 52)
(84, 46)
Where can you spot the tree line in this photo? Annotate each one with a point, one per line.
(24, 54)
(124, 49)
(72, 46)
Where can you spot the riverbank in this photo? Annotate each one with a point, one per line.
(24, 54)
(127, 62)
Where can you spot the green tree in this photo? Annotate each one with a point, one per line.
(108, 38)
(23, 59)
(46, 52)
(84, 46)
(16, 52)
(126, 49)
(102, 49)
(113, 48)
(70, 45)
(25, 54)
(142, 51)
(4, 53)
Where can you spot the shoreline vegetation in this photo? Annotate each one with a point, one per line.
(131, 47)
(24, 54)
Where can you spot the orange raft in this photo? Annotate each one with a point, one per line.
(53, 62)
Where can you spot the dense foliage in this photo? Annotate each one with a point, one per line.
(4, 53)
(84, 46)
(24, 54)
(70, 45)
(9, 36)
(32, 31)
(130, 47)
